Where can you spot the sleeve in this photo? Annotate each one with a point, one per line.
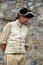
(28, 40)
(4, 34)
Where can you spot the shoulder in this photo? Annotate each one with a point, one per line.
(13, 23)
(10, 23)
(27, 26)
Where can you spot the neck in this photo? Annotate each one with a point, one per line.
(20, 21)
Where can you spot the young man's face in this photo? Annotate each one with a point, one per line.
(23, 19)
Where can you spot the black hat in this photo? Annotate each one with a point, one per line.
(26, 13)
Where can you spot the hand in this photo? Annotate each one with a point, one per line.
(3, 46)
(26, 47)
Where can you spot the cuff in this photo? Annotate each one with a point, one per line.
(26, 44)
(2, 42)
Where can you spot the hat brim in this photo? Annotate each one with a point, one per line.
(30, 15)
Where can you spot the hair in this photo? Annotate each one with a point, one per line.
(18, 16)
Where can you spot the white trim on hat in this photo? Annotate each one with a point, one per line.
(21, 14)
(27, 13)
(30, 13)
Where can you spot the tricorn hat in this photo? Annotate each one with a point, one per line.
(26, 13)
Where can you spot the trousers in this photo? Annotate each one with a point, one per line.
(11, 59)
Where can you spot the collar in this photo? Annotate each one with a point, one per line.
(18, 23)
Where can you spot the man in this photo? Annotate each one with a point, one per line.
(13, 39)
